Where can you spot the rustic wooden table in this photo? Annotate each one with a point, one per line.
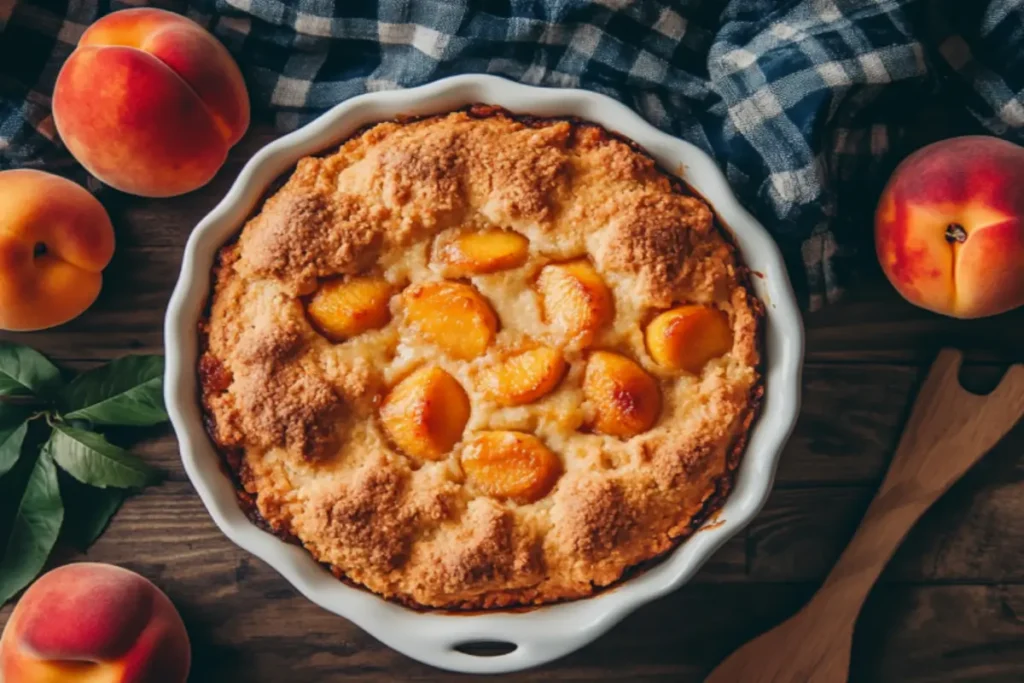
(949, 608)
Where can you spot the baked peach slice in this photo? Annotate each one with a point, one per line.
(479, 253)
(510, 465)
(626, 400)
(425, 413)
(452, 316)
(343, 308)
(687, 337)
(524, 377)
(577, 302)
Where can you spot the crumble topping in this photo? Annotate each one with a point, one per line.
(571, 509)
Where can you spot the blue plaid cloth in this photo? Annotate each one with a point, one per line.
(807, 105)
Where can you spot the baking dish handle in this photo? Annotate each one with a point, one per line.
(491, 653)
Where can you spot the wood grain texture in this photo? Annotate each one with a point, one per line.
(950, 606)
(948, 431)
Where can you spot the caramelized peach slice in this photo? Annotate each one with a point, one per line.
(577, 303)
(626, 400)
(687, 337)
(488, 251)
(510, 465)
(524, 377)
(451, 315)
(425, 413)
(343, 308)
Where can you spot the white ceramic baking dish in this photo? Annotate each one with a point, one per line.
(546, 633)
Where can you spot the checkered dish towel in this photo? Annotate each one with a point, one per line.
(806, 105)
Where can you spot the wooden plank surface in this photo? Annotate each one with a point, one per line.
(949, 608)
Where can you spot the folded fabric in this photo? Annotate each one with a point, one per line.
(805, 104)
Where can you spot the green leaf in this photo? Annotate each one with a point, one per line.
(36, 527)
(89, 511)
(26, 372)
(127, 391)
(13, 427)
(91, 459)
(11, 439)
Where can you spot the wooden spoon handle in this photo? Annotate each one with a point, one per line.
(888, 520)
(947, 433)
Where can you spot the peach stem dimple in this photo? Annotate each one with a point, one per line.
(955, 233)
(39, 249)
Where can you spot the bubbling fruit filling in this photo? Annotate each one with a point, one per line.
(425, 414)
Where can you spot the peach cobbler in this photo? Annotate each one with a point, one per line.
(476, 360)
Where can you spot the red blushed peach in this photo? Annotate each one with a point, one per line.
(150, 103)
(949, 229)
(94, 623)
(55, 241)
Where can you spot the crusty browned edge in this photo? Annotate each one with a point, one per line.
(519, 600)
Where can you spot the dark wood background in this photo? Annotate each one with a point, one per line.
(949, 608)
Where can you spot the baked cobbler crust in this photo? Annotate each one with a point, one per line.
(297, 415)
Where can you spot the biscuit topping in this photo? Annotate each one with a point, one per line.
(472, 361)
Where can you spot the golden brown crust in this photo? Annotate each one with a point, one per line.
(296, 415)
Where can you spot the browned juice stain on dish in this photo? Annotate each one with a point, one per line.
(712, 525)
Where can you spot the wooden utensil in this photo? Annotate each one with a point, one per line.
(948, 431)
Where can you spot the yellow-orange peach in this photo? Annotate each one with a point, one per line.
(453, 316)
(425, 413)
(478, 253)
(577, 302)
(510, 465)
(625, 399)
(94, 623)
(524, 377)
(949, 229)
(149, 102)
(687, 337)
(55, 241)
(344, 308)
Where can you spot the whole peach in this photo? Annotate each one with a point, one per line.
(55, 241)
(150, 103)
(94, 623)
(949, 229)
